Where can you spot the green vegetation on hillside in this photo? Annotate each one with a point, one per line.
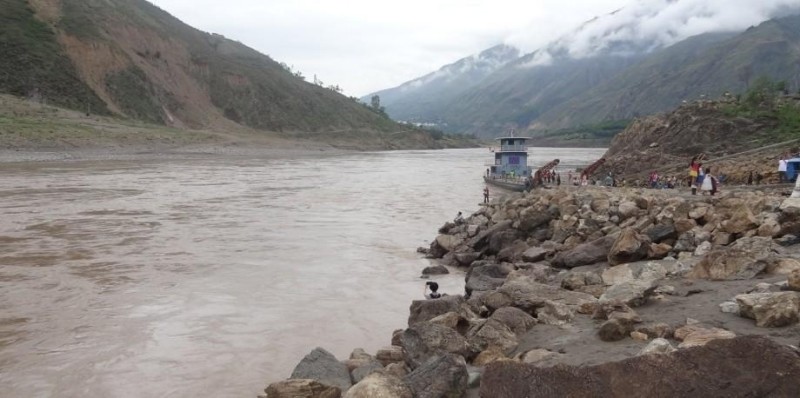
(604, 131)
(766, 100)
(33, 65)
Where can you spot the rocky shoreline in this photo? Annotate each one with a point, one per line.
(594, 291)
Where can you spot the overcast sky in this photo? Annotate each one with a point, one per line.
(368, 45)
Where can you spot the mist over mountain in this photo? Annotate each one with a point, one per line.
(646, 57)
(413, 100)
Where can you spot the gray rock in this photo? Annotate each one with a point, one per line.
(585, 254)
(425, 310)
(658, 346)
(435, 270)
(634, 293)
(365, 370)
(323, 366)
(661, 232)
(443, 376)
(536, 254)
(425, 340)
(729, 307)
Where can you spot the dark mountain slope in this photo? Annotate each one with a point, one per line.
(708, 65)
(130, 58)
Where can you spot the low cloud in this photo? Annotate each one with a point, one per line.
(645, 25)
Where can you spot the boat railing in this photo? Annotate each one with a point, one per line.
(508, 178)
(514, 148)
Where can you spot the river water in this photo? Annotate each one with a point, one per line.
(213, 277)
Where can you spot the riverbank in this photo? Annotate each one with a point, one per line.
(586, 277)
(31, 131)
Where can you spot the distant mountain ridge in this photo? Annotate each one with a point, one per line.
(412, 100)
(132, 59)
(602, 72)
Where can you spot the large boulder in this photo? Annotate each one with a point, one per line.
(585, 254)
(536, 254)
(441, 377)
(532, 218)
(661, 232)
(770, 309)
(697, 335)
(742, 367)
(389, 355)
(425, 310)
(294, 388)
(794, 281)
(634, 293)
(484, 275)
(628, 247)
(644, 271)
(501, 329)
(323, 366)
(738, 219)
(481, 240)
(425, 340)
(365, 370)
(525, 293)
(745, 259)
(379, 385)
(518, 321)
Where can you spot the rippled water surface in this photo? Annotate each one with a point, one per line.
(211, 277)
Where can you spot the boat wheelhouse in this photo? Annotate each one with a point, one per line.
(510, 167)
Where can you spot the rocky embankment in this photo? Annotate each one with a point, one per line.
(735, 146)
(595, 292)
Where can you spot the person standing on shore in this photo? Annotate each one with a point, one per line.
(782, 164)
(709, 183)
(486, 195)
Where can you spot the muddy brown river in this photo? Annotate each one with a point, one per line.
(213, 277)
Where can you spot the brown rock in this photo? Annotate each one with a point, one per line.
(615, 330)
(697, 335)
(389, 355)
(628, 247)
(794, 280)
(492, 354)
(379, 385)
(744, 259)
(537, 356)
(684, 225)
(784, 266)
(639, 336)
(293, 388)
(762, 368)
(658, 251)
(739, 220)
(525, 293)
(656, 330)
(770, 309)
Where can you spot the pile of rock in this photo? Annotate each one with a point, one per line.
(565, 262)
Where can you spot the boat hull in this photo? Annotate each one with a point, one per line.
(507, 185)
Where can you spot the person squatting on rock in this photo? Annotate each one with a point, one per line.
(459, 219)
(434, 294)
